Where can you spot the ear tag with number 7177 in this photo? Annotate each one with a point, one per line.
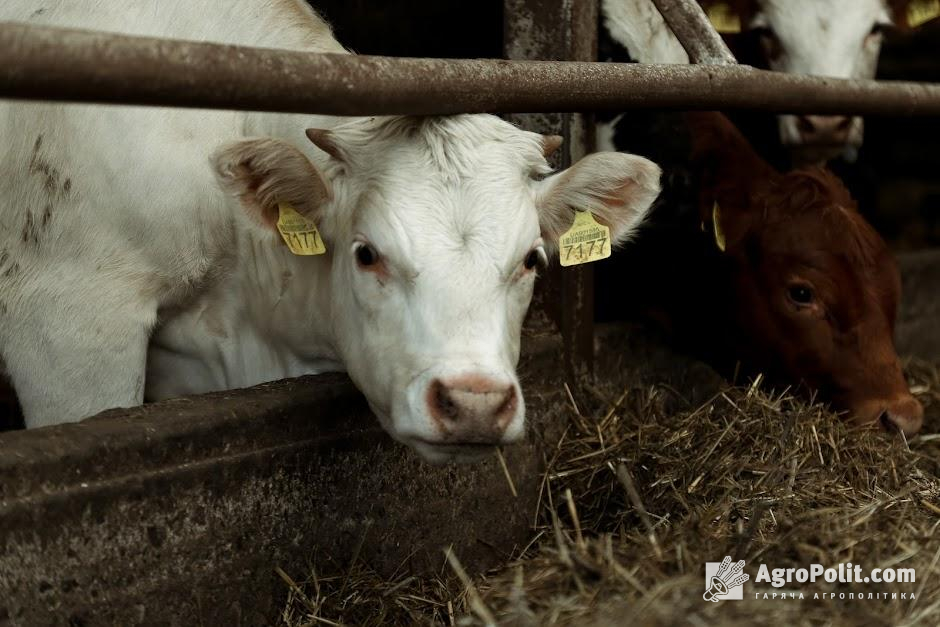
(299, 233)
(585, 241)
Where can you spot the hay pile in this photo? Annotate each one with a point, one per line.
(636, 498)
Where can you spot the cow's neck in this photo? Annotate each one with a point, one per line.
(286, 298)
(265, 317)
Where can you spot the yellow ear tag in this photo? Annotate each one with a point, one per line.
(299, 233)
(922, 11)
(724, 19)
(584, 242)
(716, 225)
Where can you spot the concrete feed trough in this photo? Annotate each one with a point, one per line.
(178, 512)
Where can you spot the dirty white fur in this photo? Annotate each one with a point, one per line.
(817, 37)
(116, 235)
(638, 26)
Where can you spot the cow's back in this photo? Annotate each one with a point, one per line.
(130, 188)
(267, 23)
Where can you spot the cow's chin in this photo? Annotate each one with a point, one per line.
(431, 451)
(436, 453)
(802, 155)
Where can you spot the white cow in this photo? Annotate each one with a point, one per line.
(123, 227)
(837, 38)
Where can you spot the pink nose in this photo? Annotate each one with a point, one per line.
(824, 129)
(905, 414)
(472, 409)
(902, 413)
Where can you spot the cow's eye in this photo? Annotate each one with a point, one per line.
(879, 28)
(770, 42)
(801, 294)
(366, 255)
(765, 32)
(535, 258)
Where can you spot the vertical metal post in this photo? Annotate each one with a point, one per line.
(560, 30)
(690, 24)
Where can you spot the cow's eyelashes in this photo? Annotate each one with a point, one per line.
(801, 295)
(535, 259)
(366, 255)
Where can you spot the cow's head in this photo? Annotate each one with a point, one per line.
(437, 228)
(816, 289)
(837, 38)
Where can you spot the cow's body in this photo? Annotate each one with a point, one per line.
(125, 227)
(87, 190)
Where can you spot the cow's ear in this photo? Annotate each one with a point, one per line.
(617, 188)
(725, 224)
(731, 176)
(265, 172)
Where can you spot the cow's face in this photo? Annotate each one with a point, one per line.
(838, 38)
(437, 229)
(818, 291)
(815, 289)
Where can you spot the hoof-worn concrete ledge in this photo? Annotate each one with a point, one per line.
(178, 512)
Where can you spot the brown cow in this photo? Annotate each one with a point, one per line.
(804, 290)
(816, 286)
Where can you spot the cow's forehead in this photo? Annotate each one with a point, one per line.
(424, 213)
(453, 147)
(826, 237)
(445, 178)
(799, 18)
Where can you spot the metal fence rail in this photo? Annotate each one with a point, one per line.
(46, 63)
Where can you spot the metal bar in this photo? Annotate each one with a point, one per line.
(559, 30)
(691, 27)
(56, 64)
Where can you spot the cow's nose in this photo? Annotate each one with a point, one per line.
(472, 409)
(824, 129)
(905, 414)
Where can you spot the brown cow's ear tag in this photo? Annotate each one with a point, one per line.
(723, 18)
(716, 226)
(922, 11)
(584, 242)
(299, 233)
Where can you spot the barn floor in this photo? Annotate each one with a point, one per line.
(746, 473)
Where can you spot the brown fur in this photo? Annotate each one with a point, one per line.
(803, 229)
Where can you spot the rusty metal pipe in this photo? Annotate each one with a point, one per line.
(43, 63)
(690, 25)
